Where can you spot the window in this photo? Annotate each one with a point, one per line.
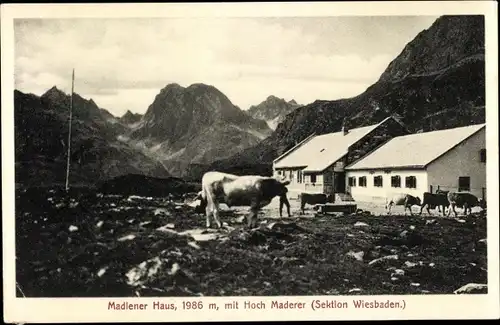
(411, 182)
(362, 181)
(482, 155)
(377, 181)
(395, 181)
(352, 181)
(291, 175)
(313, 178)
(464, 183)
(299, 176)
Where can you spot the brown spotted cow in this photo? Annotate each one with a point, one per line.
(313, 199)
(463, 200)
(253, 191)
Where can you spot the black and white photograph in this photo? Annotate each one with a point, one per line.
(346, 157)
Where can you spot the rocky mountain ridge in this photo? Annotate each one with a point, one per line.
(437, 82)
(273, 110)
(41, 136)
(195, 124)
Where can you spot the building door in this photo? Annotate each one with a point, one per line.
(339, 182)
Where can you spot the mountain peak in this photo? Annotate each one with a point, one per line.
(201, 88)
(171, 86)
(272, 110)
(437, 82)
(127, 113)
(54, 91)
(178, 112)
(130, 117)
(451, 38)
(200, 85)
(273, 98)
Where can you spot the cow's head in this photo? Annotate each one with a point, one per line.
(481, 203)
(284, 183)
(419, 201)
(272, 187)
(283, 180)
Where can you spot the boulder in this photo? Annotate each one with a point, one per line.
(472, 288)
(383, 258)
(398, 272)
(356, 255)
(360, 224)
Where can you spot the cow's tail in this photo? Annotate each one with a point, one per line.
(202, 196)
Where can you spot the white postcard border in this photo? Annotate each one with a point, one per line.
(36, 310)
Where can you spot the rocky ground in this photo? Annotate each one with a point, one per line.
(95, 245)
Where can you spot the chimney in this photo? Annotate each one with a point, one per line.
(345, 129)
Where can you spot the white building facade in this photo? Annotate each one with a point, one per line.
(376, 185)
(451, 160)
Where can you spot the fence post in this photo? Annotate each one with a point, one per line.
(438, 188)
(483, 193)
(431, 188)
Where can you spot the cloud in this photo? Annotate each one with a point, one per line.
(123, 63)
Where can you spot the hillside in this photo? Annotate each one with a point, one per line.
(41, 131)
(196, 124)
(272, 110)
(437, 82)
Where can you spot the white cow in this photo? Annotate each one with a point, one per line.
(403, 199)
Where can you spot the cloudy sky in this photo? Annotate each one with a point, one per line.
(123, 63)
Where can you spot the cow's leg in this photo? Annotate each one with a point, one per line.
(422, 208)
(208, 211)
(409, 208)
(466, 207)
(428, 210)
(216, 215)
(249, 220)
(252, 218)
(302, 205)
(454, 210)
(389, 206)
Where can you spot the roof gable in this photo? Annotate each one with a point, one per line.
(415, 150)
(323, 150)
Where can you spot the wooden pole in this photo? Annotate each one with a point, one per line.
(69, 131)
